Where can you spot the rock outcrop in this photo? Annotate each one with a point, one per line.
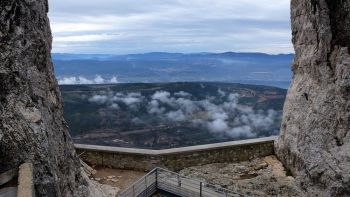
(262, 177)
(315, 134)
(32, 128)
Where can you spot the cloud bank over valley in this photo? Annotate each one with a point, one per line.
(168, 115)
(79, 80)
(224, 116)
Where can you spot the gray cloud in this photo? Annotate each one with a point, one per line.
(120, 26)
(131, 100)
(154, 107)
(176, 115)
(128, 99)
(182, 94)
(218, 125)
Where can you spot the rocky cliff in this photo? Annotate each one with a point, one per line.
(32, 128)
(315, 138)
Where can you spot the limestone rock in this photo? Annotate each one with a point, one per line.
(315, 138)
(32, 128)
(97, 189)
(260, 177)
(87, 169)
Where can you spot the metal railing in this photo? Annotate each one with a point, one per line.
(164, 180)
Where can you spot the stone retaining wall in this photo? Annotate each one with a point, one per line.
(177, 158)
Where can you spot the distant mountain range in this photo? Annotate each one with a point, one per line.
(250, 68)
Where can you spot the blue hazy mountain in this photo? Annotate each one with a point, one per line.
(250, 68)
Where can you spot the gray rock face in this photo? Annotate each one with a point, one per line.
(315, 135)
(32, 128)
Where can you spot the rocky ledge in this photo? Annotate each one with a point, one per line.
(260, 177)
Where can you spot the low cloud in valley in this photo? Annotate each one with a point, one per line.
(223, 118)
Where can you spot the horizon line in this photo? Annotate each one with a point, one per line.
(189, 53)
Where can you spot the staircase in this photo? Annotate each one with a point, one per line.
(160, 180)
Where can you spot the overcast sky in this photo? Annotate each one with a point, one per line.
(139, 26)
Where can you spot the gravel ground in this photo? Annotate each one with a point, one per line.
(117, 178)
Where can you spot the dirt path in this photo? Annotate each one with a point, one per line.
(117, 178)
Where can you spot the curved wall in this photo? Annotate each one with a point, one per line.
(177, 158)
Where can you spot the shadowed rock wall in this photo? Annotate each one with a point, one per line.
(315, 142)
(32, 128)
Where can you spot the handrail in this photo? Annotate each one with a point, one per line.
(174, 183)
(139, 180)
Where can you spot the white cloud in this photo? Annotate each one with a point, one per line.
(242, 131)
(218, 125)
(188, 106)
(176, 115)
(182, 94)
(228, 117)
(68, 80)
(163, 97)
(84, 38)
(98, 79)
(130, 99)
(66, 27)
(114, 106)
(100, 99)
(154, 108)
(114, 80)
(114, 101)
(221, 93)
